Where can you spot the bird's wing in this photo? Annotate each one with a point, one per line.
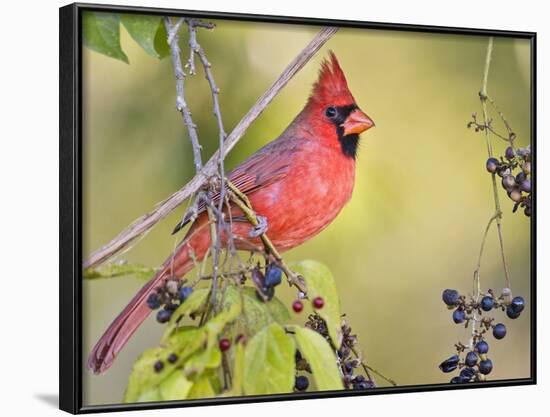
(267, 166)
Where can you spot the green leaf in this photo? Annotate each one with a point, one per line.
(118, 270)
(320, 283)
(175, 387)
(209, 358)
(192, 304)
(256, 314)
(316, 349)
(216, 324)
(238, 372)
(202, 388)
(196, 349)
(143, 377)
(149, 33)
(269, 362)
(152, 395)
(101, 33)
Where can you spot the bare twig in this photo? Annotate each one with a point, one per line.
(498, 212)
(149, 220)
(196, 48)
(181, 104)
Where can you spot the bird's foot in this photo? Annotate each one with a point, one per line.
(260, 228)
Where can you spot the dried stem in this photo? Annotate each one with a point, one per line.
(181, 104)
(196, 48)
(498, 213)
(149, 220)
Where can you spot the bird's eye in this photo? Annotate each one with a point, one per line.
(330, 112)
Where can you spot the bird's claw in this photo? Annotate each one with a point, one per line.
(260, 228)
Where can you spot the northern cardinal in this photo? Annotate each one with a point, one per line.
(299, 183)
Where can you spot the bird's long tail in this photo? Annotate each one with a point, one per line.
(134, 314)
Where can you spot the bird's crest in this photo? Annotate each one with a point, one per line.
(331, 86)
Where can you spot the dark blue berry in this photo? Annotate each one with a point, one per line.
(172, 358)
(273, 276)
(158, 366)
(521, 177)
(492, 165)
(487, 303)
(171, 307)
(361, 385)
(486, 366)
(359, 378)
(450, 297)
(265, 294)
(517, 304)
(153, 301)
(348, 368)
(508, 182)
(163, 316)
(511, 313)
(471, 359)
(456, 380)
(467, 373)
(184, 293)
(459, 316)
(301, 383)
(509, 153)
(482, 347)
(499, 331)
(449, 365)
(525, 185)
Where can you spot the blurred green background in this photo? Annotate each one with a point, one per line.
(422, 197)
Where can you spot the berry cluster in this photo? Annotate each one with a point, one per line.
(350, 364)
(472, 360)
(170, 296)
(517, 184)
(347, 362)
(265, 284)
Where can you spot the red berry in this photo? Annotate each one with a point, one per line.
(318, 302)
(225, 344)
(297, 306)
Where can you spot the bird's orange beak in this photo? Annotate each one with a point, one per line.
(357, 122)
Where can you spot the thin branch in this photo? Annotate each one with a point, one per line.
(149, 220)
(511, 134)
(196, 48)
(477, 289)
(181, 104)
(498, 212)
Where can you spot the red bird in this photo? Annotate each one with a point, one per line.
(298, 183)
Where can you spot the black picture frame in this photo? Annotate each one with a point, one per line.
(70, 182)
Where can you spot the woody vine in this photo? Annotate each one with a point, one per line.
(472, 358)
